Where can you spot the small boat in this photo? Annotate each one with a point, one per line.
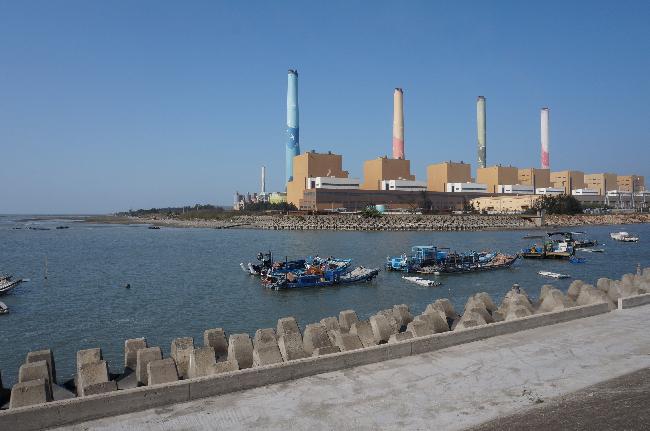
(7, 284)
(593, 250)
(623, 237)
(3, 308)
(433, 260)
(553, 274)
(422, 281)
(153, 227)
(63, 227)
(549, 249)
(290, 280)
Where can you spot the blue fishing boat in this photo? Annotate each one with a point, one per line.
(434, 260)
(329, 277)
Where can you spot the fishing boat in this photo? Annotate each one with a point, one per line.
(422, 281)
(433, 260)
(550, 249)
(3, 308)
(330, 277)
(150, 227)
(8, 283)
(623, 237)
(553, 274)
(267, 264)
(593, 250)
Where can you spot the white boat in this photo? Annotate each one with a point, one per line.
(623, 236)
(422, 281)
(553, 274)
(7, 284)
(3, 308)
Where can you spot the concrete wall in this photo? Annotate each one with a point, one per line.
(633, 301)
(75, 410)
(494, 175)
(440, 174)
(538, 178)
(568, 180)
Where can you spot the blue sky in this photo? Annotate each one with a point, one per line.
(106, 106)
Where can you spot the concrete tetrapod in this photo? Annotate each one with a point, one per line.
(44, 355)
(553, 300)
(38, 370)
(315, 337)
(181, 350)
(347, 341)
(131, 347)
(331, 323)
(381, 328)
(346, 319)
(91, 374)
(265, 348)
(28, 393)
(287, 325)
(590, 295)
(402, 314)
(419, 328)
(363, 330)
(216, 338)
(143, 357)
(574, 289)
(434, 321)
(88, 356)
(240, 350)
(394, 325)
(202, 359)
(291, 347)
(161, 371)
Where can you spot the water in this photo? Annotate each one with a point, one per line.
(184, 281)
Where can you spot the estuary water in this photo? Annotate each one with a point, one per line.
(184, 281)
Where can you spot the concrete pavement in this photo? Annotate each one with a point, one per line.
(454, 388)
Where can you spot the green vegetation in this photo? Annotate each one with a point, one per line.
(560, 204)
(371, 212)
(207, 212)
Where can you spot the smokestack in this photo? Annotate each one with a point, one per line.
(544, 135)
(480, 129)
(263, 180)
(398, 124)
(293, 147)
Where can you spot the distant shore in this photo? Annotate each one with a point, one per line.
(384, 223)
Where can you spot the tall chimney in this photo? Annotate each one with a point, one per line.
(398, 124)
(480, 129)
(293, 147)
(263, 191)
(544, 135)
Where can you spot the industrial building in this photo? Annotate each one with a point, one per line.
(630, 183)
(601, 182)
(504, 204)
(381, 169)
(516, 189)
(440, 174)
(309, 166)
(568, 180)
(466, 188)
(549, 191)
(585, 192)
(535, 177)
(404, 185)
(494, 176)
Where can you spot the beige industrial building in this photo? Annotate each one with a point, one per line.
(382, 168)
(504, 204)
(602, 182)
(568, 180)
(629, 183)
(440, 174)
(493, 176)
(538, 178)
(310, 165)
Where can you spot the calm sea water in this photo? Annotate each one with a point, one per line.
(184, 281)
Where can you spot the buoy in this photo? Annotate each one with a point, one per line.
(128, 285)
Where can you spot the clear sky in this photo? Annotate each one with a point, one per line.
(111, 105)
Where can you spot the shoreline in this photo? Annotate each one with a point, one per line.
(411, 222)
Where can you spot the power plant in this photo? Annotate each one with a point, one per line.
(263, 185)
(293, 135)
(398, 124)
(544, 138)
(480, 129)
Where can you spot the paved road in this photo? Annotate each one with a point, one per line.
(451, 389)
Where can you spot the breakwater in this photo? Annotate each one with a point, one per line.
(388, 222)
(286, 352)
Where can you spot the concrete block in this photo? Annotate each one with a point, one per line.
(224, 367)
(161, 371)
(445, 306)
(265, 348)
(381, 328)
(291, 347)
(402, 336)
(347, 341)
(402, 314)
(131, 347)
(314, 337)
(43, 355)
(331, 323)
(91, 374)
(321, 351)
(346, 319)
(216, 338)
(88, 356)
(487, 301)
(201, 361)
(554, 300)
(574, 289)
(38, 370)
(363, 330)
(392, 322)
(434, 321)
(240, 350)
(100, 388)
(143, 357)
(287, 325)
(590, 295)
(28, 393)
(181, 350)
(419, 328)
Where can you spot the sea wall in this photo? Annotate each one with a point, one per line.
(335, 343)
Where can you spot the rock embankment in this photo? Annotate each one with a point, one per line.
(604, 219)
